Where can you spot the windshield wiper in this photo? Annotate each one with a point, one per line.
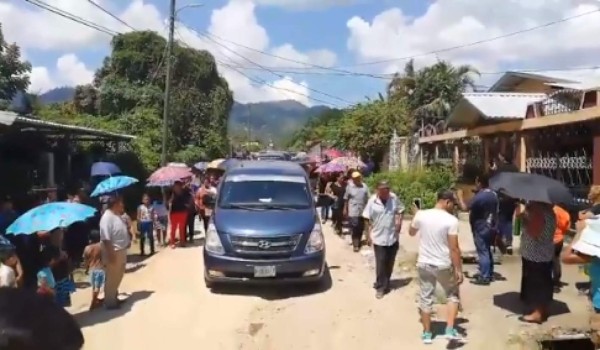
(278, 207)
(241, 206)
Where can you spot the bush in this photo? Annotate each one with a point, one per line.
(417, 183)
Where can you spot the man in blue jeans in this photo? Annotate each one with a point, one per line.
(483, 217)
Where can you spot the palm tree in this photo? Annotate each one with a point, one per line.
(403, 85)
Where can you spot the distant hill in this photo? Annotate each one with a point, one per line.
(58, 95)
(276, 119)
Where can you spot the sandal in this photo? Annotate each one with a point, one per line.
(524, 320)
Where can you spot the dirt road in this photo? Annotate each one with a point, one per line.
(170, 308)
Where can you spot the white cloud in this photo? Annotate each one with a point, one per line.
(69, 71)
(47, 31)
(447, 23)
(305, 4)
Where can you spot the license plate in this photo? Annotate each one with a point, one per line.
(264, 271)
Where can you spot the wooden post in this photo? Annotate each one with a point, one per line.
(486, 154)
(521, 153)
(456, 157)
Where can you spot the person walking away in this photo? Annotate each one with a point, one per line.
(8, 276)
(383, 214)
(92, 258)
(338, 188)
(146, 225)
(537, 253)
(483, 212)
(439, 261)
(356, 197)
(178, 212)
(207, 189)
(506, 212)
(161, 221)
(115, 240)
(323, 198)
(46, 283)
(191, 217)
(563, 224)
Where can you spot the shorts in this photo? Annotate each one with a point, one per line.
(161, 223)
(429, 277)
(97, 279)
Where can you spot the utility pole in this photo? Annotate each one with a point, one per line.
(165, 130)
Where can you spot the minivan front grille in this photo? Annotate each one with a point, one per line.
(274, 246)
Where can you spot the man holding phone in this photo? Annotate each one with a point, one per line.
(439, 261)
(384, 214)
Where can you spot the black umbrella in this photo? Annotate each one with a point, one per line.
(531, 187)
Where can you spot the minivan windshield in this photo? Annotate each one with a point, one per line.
(264, 192)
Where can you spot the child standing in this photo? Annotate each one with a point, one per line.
(45, 278)
(8, 276)
(146, 227)
(92, 257)
(161, 221)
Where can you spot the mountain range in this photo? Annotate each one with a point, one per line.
(275, 120)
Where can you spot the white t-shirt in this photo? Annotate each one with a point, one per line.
(114, 229)
(434, 226)
(8, 278)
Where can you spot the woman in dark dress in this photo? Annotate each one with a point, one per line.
(337, 190)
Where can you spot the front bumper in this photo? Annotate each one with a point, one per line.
(228, 269)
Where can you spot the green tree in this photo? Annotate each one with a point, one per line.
(14, 76)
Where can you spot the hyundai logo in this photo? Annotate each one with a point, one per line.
(264, 244)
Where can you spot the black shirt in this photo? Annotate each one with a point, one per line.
(181, 202)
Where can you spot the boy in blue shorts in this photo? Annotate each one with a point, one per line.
(92, 257)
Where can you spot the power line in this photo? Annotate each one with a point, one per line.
(271, 71)
(258, 80)
(98, 6)
(72, 17)
(478, 42)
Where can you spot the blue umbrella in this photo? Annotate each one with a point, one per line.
(201, 165)
(113, 184)
(50, 216)
(105, 169)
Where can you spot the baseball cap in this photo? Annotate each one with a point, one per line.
(356, 175)
(447, 195)
(383, 184)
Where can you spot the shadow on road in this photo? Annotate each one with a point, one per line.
(198, 242)
(277, 292)
(89, 318)
(511, 302)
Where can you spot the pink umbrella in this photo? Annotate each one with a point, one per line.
(333, 153)
(167, 175)
(331, 168)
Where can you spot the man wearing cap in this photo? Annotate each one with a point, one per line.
(439, 261)
(356, 197)
(384, 214)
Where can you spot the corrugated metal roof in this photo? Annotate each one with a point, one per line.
(491, 105)
(9, 118)
(509, 79)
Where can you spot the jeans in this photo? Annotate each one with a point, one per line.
(505, 228)
(556, 267)
(146, 232)
(385, 256)
(484, 239)
(325, 212)
(357, 226)
(191, 219)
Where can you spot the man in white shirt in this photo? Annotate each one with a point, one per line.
(439, 261)
(383, 213)
(115, 239)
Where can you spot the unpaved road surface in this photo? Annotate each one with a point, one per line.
(170, 308)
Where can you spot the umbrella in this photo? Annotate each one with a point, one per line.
(201, 165)
(228, 163)
(349, 162)
(331, 168)
(105, 169)
(531, 187)
(168, 175)
(215, 163)
(333, 153)
(112, 184)
(50, 216)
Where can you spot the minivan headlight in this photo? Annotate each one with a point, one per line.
(316, 241)
(213, 241)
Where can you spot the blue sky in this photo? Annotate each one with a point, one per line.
(322, 32)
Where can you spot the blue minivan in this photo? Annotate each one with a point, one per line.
(264, 227)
